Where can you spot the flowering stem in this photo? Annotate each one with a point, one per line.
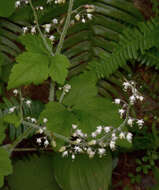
(52, 91)
(65, 29)
(38, 27)
(21, 104)
(62, 96)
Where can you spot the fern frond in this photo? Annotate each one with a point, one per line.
(132, 43)
(151, 58)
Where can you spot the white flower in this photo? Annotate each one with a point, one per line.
(55, 21)
(126, 85)
(28, 102)
(41, 8)
(117, 101)
(28, 118)
(122, 135)
(46, 143)
(90, 10)
(101, 151)
(67, 87)
(65, 153)
(33, 30)
(52, 38)
(93, 134)
(91, 154)
(33, 120)
(83, 20)
(77, 149)
(11, 110)
(25, 29)
(129, 137)
(107, 129)
(40, 131)
(140, 122)
(17, 4)
(38, 140)
(45, 120)
(74, 126)
(73, 156)
(99, 130)
(78, 141)
(47, 27)
(112, 145)
(15, 92)
(77, 17)
(121, 112)
(89, 16)
(141, 98)
(79, 132)
(130, 121)
(132, 99)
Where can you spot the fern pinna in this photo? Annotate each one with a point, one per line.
(132, 43)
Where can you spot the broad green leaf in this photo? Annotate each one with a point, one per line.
(83, 87)
(2, 131)
(12, 119)
(34, 44)
(35, 173)
(97, 111)
(60, 120)
(7, 7)
(83, 173)
(59, 68)
(5, 165)
(31, 68)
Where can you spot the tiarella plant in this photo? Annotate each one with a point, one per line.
(81, 127)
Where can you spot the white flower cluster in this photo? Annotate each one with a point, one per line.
(66, 88)
(134, 97)
(19, 3)
(85, 15)
(96, 144)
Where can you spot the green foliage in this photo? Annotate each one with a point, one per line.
(2, 131)
(29, 64)
(7, 7)
(5, 165)
(83, 173)
(35, 173)
(12, 119)
(97, 111)
(129, 47)
(83, 87)
(59, 68)
(135, 179)
(147, 162)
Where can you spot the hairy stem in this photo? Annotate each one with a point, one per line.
(66, 26)
(52, 91)
(40, 32)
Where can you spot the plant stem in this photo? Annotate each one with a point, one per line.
(66, 26)
(21, 105)
(38, 27)
(52, 91)
(20, 138)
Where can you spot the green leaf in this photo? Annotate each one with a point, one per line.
(7, 7)
(83, 173)
(31, 68)
(34, 173)
(5, 165)
(12, 119)
(60, 120)
(59, 68)
(96, 111)
(34, 44)
(2, 131)
(83, 87)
